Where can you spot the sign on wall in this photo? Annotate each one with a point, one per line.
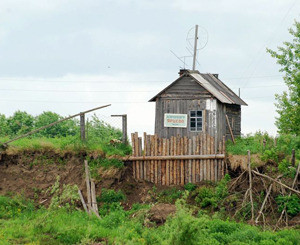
(175, 120)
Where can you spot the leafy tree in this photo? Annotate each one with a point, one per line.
(288, 106)
(19, 123)
(61, 129)
(3, 125)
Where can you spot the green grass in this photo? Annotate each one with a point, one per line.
(283, 146)
(69, 143)
(64, 226)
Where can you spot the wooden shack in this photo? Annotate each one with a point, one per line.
(195, 103)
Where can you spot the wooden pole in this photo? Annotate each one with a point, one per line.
(88, 186)
(82, 201)
(230, 130)
(94, 200)
(265, 201)
(250, 186)
(276, 181)
(293, 160)
(124, 127)
(82, 127)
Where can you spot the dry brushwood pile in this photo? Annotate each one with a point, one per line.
(261, 194)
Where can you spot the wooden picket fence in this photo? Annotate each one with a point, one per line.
(178, 160)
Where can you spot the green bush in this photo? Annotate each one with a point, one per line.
(206, 196)
(111, 196)
(190, 187)
(169, 195)
(292, 204)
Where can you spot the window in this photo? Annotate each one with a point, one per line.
(195, 121)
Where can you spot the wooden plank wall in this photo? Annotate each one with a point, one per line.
(177, 172)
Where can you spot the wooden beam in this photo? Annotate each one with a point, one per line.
(176, 157)
(276, 181)
(230, 130)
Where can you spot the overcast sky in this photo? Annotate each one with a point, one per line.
(68, 56)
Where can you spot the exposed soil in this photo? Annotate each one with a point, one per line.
(160, 212)
(31, 174)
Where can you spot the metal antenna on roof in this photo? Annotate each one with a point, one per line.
(195, 47)
(200, 41)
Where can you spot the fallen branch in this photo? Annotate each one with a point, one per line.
(265, 201)
(278, 182)
(236, 180)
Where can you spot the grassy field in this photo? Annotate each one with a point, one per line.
(22, 223)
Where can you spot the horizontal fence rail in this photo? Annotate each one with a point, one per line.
(178, 160)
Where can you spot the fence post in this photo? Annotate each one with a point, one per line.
(82, 126)
(293, 160)
(124, 127)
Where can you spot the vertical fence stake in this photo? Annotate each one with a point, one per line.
(124, 127)
(82, 126)
(250, 186)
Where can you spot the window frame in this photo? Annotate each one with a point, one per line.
(196, 117)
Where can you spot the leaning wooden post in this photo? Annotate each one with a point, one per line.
(82, 201)
(88, 186)
(230, 129)
(82, 126)
(250, 186)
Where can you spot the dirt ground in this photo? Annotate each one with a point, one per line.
(32, 173)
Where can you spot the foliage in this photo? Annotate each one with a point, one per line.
(62, 226)
(63, 136)
(286, 168)
(288, 106)
(19, 123)
(69, 127)
(14, 207)
(65, 196)
(4, 129)
(292, 204)
(111, 196)
(169, 195)
(190, 186)
(275, 148)
(206, 196)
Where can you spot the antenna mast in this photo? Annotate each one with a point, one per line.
(195, 47)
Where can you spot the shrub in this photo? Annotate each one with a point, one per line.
(206, 197)
(292, 204)
(169, 195)
(190, 187)
(111, 196)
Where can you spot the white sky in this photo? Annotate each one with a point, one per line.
(49, 49)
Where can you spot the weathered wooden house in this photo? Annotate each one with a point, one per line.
(197, 102)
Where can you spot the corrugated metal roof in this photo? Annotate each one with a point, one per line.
(213, 85)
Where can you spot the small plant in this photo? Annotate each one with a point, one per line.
(285, 167)
(190, 187)
(67, 196)
(270, 155)
(206, 197)
(111, 196)
(169, 195)
(292, 204)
